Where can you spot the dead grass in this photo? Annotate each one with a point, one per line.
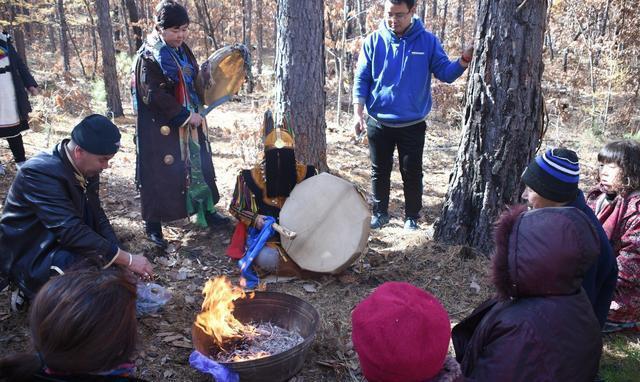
(459, 279)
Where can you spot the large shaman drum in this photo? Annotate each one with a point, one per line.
(331, 220)
(222, 75)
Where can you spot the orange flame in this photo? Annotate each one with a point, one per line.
(216, 318)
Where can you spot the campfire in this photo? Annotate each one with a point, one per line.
(234, 341)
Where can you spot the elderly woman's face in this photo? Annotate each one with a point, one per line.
(174, 36)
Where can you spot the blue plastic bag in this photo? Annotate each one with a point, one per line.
(204, 364)
(151, 297)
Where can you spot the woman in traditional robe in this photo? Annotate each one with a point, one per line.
(175, 172)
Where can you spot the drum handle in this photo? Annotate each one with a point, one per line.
(284, 231)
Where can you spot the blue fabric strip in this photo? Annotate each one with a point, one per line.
(204, 364)
(255, 242)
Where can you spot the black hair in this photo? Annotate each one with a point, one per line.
(170, 13)
(410, 3)
(81, 322)
(626, 154)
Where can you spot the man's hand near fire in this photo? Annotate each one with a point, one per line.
(137, 264)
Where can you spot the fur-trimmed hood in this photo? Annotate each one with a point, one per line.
(542, 252)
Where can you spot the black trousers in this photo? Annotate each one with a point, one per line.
(17, 148)
(382, 143)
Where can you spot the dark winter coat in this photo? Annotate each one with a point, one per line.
(600, 280)
(541, 327)
(22, 79)
(47, 210)
(162, 175)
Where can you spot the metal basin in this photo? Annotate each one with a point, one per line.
(280, 309)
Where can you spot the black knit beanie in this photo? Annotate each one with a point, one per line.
(97, 135)
(171, 14)
(554, 175)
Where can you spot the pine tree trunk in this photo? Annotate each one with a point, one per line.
(246, 35)
(94, 40)
(503, 117)
(114, 104)
(134, 17)
(300, 76)
(18, 30)
(52, 38)
(460, 18)
(259, 34)
(116, 33)
(247, 23)
(445, 16)
(434, 15)
(64, 43)
(126, 28)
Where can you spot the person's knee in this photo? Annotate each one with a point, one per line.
(411, 173)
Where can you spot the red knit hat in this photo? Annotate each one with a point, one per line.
(401, 334)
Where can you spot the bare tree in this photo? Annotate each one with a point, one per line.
(94, 40)
(503, 118)
(64, 30)
(445, 16)
(300, 76)
(259, 33)
(247, 5)
(17, 31)
(134, 17)
(114, 104)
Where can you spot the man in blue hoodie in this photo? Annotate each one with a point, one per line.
(393, 81)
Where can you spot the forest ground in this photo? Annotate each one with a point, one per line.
(458, 279)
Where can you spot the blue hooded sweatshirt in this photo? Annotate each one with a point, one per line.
(393, 76)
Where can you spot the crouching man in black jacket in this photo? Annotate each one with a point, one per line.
(53, 219)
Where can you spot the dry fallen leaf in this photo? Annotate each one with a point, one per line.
(173, 338)
(165, 334)
(182, 344)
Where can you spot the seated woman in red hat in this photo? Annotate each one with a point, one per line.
(83, 328)
(401, 333)
(541, 326)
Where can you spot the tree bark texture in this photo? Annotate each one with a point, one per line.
(503, 117)
(64, 27)
(18, 30)
(134, 17)
(246, 35)
(114, 104)
(247, 23)
(52, 38)
(94, 40)
(300, 76)
(445, 16)
(126, 28)
(259, 35)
